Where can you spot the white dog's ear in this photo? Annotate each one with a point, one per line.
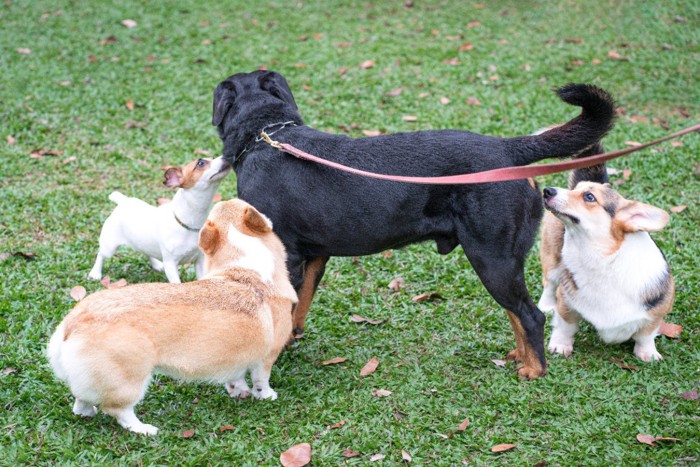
(172, 177)
(209, 238)
(256, 221)
(638, 216)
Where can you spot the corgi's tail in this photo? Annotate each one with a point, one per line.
(574, 137)
(117, 197)
(53, 352)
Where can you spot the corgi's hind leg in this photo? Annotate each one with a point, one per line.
(127, 418)
(565, 323)
(84, 409)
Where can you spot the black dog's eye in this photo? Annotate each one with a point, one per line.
(201, 163)
(588, 197)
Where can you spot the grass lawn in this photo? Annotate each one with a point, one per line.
(103, 106)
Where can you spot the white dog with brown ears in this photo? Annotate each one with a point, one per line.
(605, 268)
(237, 319)
(167, 234)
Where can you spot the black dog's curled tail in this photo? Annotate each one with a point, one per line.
(576, 135)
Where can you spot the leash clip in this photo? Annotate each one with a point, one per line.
(265, 137)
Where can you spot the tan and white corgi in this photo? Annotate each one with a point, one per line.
(605, 268)
(236, 319)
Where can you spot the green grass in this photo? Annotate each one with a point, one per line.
(69, 95)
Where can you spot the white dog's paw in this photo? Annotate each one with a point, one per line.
(238, 389)
(264, 393)
(562, 348)
(647, 354)
(95, 274)
(84, 409)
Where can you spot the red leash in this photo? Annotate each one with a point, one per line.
(495, 175)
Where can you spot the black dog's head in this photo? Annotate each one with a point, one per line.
(244, 96)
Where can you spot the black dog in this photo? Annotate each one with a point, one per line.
(320, 212)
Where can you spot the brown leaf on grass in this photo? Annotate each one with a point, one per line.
(677, 209)
(623, 365)
(502, 447)
(40, 153)
(367, 64)
(377, 457)
(676, 144)
(24, 51)
(129, 23)
(338, 425)
(638, 118)
(381, 393)
(466, 46)
(119, 284)
(473, 101)
(577, 62)
(343, 44)
(473, 24)
(626, 174)
(405, 456)
(343, 70)
(187, 433)
(634, 144)
(296, 456)
(105, 281)
(70, 159)
(128, 125)
(204, 152)
(371, 132)
(444, 100)
(463, 426)
(426, 296)
(8, 370)
(410, 118)
(498, 362)
(395, 92)
(23, 255)
(370, 367)
(162, 201)
(615, 55)
(397, 283)
(334, 361)
(225, 428)
(690, 395)
(670, 330)
(451, 61)
(130, 104)
(573, 40)
(10, 139)
(78, 292)
(596, 61)
(646, 439)
(362, 319)
(350, 453)
(108, 40)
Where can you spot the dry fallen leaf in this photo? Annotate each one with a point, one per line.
(426, 296)
(362, 319)
(473, 101)
(116, 285)
(370, 367)
(337, 425)
(444, 100)
(225, 428)
(463, 426)
(70, 159)
(105, 281)
(677, 144)
(465, 47)
(335, 360)
(130, 104)
(350, 453)
(502, 447)
(623, 365)
(10, 139)
(406, 457)
(451, 61)
(371, 132)
(646, 439)
(690, 395)
(677, 209)
(615, 55)
(670, 330)
(633, 143)
(367, 64)
(204, 152)
(498, 362)
(296, 456)
(473, 24)
(129, 23)
(410, 118)
(397, 283)
(377, 457)
(8, 370)
(78, 292)
(188, 433)
(24, 51)
(381, 393)
(395, 92)
(626, 174)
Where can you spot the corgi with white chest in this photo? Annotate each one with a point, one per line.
(605, 268)
(236, 319)
(167, 234)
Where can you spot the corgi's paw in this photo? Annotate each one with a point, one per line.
(561, 348)
(547, 303)
(647, 354)
(143, 428)
(264, 393)
(84, 409)
(238, 389)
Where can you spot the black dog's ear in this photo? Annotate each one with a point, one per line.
(224, 95)
(275, 84)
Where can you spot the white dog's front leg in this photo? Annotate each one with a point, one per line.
(171, 271)
(96, 271)
(562, 338)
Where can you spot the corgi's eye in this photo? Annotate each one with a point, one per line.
(201, 163)
(588, 197)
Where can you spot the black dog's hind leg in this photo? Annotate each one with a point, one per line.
(306, 273)
(502, 273)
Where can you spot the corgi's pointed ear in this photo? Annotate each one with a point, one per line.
(256, 221)
(172, 177)
(638, 216)
(209, 238)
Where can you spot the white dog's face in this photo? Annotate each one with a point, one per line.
(198, 174)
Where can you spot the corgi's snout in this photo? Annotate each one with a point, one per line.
(549, 192)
